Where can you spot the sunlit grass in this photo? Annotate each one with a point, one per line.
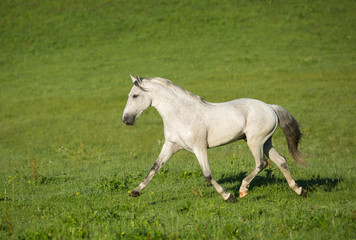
(67, 162)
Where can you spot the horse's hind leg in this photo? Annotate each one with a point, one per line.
(280, 161)
(257, 151)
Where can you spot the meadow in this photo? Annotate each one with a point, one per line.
(67, 162)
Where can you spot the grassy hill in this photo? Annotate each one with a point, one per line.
(67, 161)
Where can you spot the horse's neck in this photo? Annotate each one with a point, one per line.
(169, 103)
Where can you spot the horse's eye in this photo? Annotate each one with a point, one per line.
(135, 96)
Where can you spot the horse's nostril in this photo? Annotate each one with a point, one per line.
(128, 120)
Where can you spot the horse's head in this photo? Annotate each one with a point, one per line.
(137, 102)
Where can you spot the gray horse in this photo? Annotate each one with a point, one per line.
(194, 124)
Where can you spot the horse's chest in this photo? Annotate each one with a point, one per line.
(186, 136)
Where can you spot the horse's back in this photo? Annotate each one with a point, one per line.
(240, 118)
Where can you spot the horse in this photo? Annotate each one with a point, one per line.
(194, 124)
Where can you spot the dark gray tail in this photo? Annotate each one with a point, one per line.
(291, 131)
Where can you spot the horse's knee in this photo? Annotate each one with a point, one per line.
(155, 167)
(208, 177)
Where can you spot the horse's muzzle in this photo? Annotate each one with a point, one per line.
(129, 120)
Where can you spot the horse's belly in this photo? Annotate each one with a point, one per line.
(225, 132)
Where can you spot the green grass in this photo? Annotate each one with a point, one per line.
(67, 161)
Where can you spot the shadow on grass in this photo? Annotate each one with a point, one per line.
(311, 185)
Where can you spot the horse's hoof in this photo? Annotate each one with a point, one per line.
(303, 193)
(134, 193)
(230, 198)
(243, 193)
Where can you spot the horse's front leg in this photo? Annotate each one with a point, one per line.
(167, 151)
(202, 157)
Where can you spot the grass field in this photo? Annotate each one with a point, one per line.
(67, 161)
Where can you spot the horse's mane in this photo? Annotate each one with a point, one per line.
(174, 87)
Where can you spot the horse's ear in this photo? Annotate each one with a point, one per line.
(138, 79)
(137, 82)
(133, 79)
